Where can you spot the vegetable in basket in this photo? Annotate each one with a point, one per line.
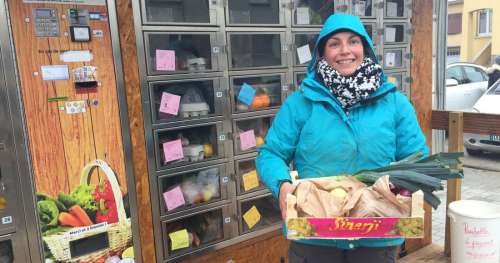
(42, 196)
(48, 213)
(80, 214)
(82, 196)
(107, 211)
(67, 219)
(75, 217)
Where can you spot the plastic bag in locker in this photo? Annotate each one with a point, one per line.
(193, 104)
(201, 188)
(209, 182)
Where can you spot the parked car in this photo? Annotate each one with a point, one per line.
(465, 83)
(488, 103)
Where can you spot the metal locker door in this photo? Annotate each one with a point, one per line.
(10, 201)
(13, 231)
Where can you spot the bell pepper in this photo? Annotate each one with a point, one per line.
(107, 211)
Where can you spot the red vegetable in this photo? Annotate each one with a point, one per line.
(105, 199)
(405, 192)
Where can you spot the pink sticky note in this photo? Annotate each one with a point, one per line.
(170, 103)
(165, 60)
(172, 150)
(247, 140)
(174, 198)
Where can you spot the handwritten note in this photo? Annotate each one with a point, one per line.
(303, 16)
(390, 34)
(172, 150)
(179, 239)
(480, 242)
(55, 72)
(165, 60)
(392, 9)
(247, 140)
(304, 54)
(359, 8)
(250, 180)
(174, 198)
(170, 103)
(251, 217)
(246, 94)
(390, 59)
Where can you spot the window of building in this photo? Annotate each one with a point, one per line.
(454, 24)
(452, 55)
(484, 22)
(453, 51)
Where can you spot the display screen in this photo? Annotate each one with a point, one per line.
(43, 12)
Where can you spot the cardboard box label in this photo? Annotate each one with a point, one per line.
(350, 227)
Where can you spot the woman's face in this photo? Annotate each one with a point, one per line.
(344, 52)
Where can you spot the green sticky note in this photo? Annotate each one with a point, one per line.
(179, 239)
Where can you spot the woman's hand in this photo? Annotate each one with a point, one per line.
(285, 188)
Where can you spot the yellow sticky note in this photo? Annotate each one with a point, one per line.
(252, 217)
(3, 202)
(250, 180)
(179, 239)
(393, 80)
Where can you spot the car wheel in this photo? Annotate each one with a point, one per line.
(473, 152)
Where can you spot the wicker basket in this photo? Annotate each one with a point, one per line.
(119, 233)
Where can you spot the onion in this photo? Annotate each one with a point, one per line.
(405, 192)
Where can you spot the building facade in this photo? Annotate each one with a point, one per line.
(471, 31)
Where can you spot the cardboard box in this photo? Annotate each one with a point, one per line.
(355, 227)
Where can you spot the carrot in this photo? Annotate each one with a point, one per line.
(67, 219)
(80, 214)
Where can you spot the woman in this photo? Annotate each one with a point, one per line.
(345, 117)
(494, 72)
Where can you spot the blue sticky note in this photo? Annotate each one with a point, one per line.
(246, 94)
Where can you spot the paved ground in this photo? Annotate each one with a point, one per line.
(478, 184)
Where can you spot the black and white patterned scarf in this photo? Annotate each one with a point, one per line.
(356, 87)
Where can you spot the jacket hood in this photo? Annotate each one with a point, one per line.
(492, 68)
(335, 23)
(339, 22)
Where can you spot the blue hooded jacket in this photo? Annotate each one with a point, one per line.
(312, 130)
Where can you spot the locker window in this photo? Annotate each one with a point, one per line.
(197, 99)
(202, 229)
(312, 12)
(190, 52)
(178, 11)
(395, 8)
(362, 7)
(255, 50)
(254, 12)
